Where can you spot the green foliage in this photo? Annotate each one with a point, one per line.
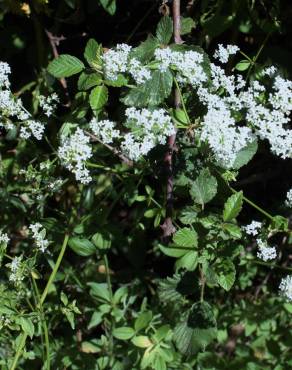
(204, 188)
(65, 66)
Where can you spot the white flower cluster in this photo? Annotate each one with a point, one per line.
(4, 73)
(148, 128)
(32, 128)
(38, 234)
(48, 103)
(288, 201)
(16, 268)
(188, 64)
(253, 228)
(223, 53)
(265, 252)
(116, 61)
(11, 107)
(139, 73)
(286, 287)
(4, 238)
(74, 152)
(104, 130)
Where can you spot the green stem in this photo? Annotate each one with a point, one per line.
(55, 269)
(112, 323)
(44, 324)
(270, 265)
(19, 351)
(253, 205)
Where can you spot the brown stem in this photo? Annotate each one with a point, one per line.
(167, 226)
(122, 157)
(54, 42)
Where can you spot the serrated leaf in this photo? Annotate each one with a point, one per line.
(186, 237)
(27, 326)
(232, 206)
(225, 271)
(120, 81)
(98, 97)
(65, 66)
(164, 30)
(145, 51)
(175, 288)
(153, 92)
(88, 80)
(245, 155)
(188, 261)
(197, 331)
(123, 333)
(187, 24)
(109, 5)
(92, 53)
(82, 247)
(204, 187)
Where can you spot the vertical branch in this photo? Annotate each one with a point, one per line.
(167, 226)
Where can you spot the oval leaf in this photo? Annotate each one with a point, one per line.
(233, 206)
(65, 66)
(98, 97)
(123, 333)
(82, 247)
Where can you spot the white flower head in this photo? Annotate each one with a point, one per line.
(265, 252)
(286, 287)
(4, 73)
(105, 130)
(139, 73)
(48, 103)
(4, 238)
(74, 152)
(116, 61)
(38, 234)
(253, 228)
(17, 270)
(223, 53)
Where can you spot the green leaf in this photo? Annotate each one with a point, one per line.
(173, 251)
(109, 5)
(102, 240)
(141, 341)
(233, 230)
(153, 92)
(187, 24)
(232, 206)
(245, 155)
(243, 65)
(204, 188)
(225, 271)
(186, 237)
(197, 331)
(99, 290)
(65, 66)
(98, 97)
(92, 53)
(177, 287)
(145, 51)
(188, 261)
(88, 80)
(143, 320)
(89, 347)
(82, 247)
(95, 320)
(27, 326)
(164, 30)
(120, 81)
(123, 333)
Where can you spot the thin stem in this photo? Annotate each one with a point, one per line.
(19, 351)
(44, 324)
(109, 285)
(203, 283)
(55, 269)
(270, 265)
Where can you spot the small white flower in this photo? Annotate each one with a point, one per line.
(139, 73)
(105, 130)
(266, 253)
(4, 238)
(223, 53)
(286, 287)
(288, 201)
(4, 72)
(74, 152)
(116, 61)
(253, 228)
(16, 275)
(48, 103)
(38, 234)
